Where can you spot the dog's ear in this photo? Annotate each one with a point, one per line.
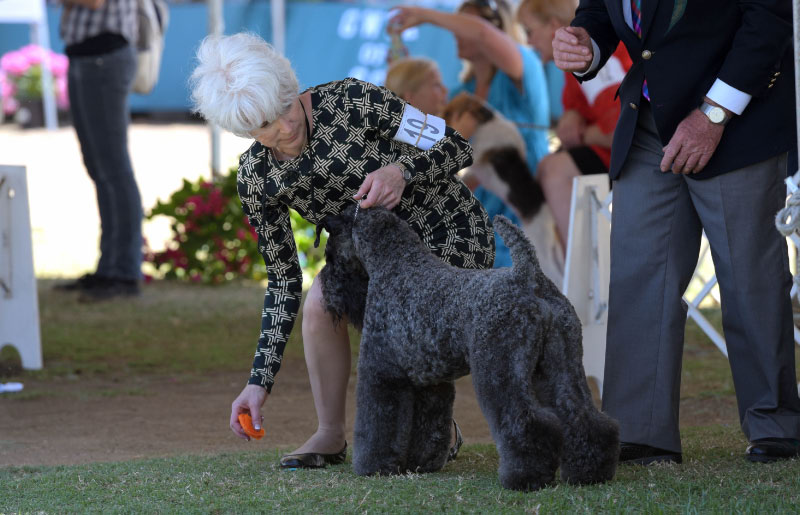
(320, 227)
(330, 223)
(334, 224)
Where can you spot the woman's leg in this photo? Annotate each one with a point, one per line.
(327, 350)
(555, 174)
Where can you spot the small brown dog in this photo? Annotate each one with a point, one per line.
(500, 167)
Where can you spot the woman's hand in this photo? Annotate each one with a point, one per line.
(249, 401)
(383, 187)
(570, 129)
(405, 18)
(594, 135)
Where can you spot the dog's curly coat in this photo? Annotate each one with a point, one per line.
(426, 323)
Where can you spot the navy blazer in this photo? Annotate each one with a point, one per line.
(686, 45)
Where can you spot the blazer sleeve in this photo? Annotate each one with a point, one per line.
(759, 45)
(593, 16)
(380, 109)
(285, 277)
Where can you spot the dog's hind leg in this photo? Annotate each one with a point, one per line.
(591, 438)
(384, 410)
(432, 427)
(528, 436)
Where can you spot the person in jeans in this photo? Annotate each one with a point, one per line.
(100, 38)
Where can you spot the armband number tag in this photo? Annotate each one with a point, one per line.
(419, 129)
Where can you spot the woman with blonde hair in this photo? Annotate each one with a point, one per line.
(498, 69)
(317, 151)
(417, 80)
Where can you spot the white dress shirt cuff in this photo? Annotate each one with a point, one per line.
(728, 97)
(595, 61)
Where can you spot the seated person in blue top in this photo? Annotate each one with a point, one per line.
(500, 70)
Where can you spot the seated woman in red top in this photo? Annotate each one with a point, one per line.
(586, 128)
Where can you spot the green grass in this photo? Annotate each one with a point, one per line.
(190, 330)
(173, 328)
(715, 479)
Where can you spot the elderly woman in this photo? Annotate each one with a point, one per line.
(317, 152)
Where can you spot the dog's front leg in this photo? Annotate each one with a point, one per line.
(432, 428)
(384, 413)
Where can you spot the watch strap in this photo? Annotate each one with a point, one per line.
(706, 109)
(404, 170)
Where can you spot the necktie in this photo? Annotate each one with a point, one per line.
(636, 15)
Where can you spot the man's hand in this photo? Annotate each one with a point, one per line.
(383, 187)
(249, 401)
(692, 145)
(572, 49)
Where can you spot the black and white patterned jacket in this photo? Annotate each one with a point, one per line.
(354, 125)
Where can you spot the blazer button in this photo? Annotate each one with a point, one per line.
(633, 106)
(647, 54)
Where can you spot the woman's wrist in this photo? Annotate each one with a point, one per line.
(594, 135)
(405, 173)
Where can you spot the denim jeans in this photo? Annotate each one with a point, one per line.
(99, 86)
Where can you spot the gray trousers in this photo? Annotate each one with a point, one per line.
(98, 93)
(657, 224)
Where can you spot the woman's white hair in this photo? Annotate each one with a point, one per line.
(241, 82)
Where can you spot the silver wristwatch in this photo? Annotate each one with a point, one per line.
(406, 172)
(715, 114)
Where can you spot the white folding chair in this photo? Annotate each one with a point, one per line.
(19, 313)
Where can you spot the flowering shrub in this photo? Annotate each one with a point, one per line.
(213, 241)
(21, 76)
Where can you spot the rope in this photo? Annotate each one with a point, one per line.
(788, 219)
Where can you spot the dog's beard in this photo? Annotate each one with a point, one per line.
(344, 290)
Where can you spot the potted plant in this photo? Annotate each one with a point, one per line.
(213, 241)
(21, 83)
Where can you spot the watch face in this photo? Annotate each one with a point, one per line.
(406, 175)
(716, 115)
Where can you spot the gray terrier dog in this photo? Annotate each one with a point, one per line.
(425, 323)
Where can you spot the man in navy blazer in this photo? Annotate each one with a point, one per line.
(707, 122)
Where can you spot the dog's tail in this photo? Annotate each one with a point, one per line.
(523, 255)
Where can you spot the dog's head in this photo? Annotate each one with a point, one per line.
(465, 112)
(343, 278)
